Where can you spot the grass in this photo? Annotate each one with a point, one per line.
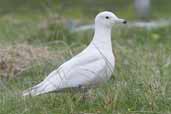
(141, 82)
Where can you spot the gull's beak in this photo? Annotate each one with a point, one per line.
(121, 21)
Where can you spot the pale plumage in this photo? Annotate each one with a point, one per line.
(93, 66)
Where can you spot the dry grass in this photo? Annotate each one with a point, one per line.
(17, 58)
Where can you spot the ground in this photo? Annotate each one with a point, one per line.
(34, 40)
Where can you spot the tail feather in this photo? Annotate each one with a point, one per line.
(33, 91)
(39, 89)
(49, 84)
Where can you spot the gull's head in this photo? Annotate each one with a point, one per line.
(107, 19)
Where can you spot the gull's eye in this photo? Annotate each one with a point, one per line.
(107, 17)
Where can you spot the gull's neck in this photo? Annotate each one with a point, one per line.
(102, 37)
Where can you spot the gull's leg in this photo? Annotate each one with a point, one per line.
(86, 94)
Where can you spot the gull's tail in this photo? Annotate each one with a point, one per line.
(43, 87)
(49, 84)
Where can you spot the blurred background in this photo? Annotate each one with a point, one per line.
(85, 8)
(76, 8)
(36, 36)
(75, 12)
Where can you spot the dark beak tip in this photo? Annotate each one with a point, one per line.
(124, 22)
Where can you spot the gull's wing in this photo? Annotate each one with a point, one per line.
(85, 75)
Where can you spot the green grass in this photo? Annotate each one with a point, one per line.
(141, 81)
(140, 84)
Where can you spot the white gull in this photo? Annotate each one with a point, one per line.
(93, 66)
